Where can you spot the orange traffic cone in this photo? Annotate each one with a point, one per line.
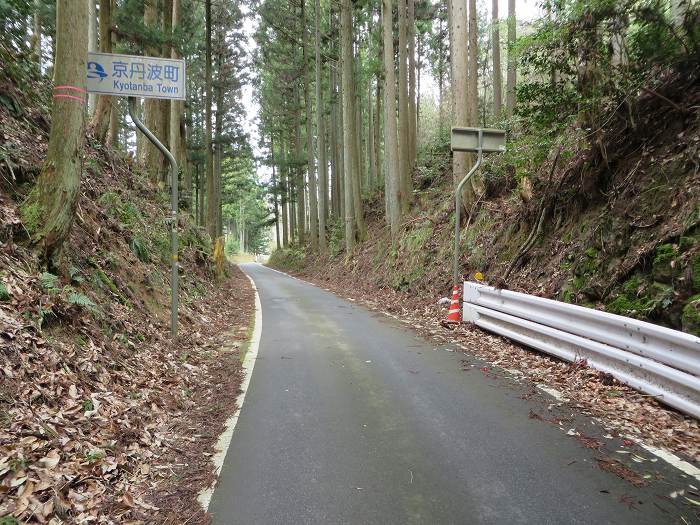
(453, 316)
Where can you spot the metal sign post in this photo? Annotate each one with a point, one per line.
(472, 140)
(146, 77)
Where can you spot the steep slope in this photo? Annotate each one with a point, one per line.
(98, 406)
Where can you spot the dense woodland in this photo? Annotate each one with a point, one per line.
(339, 90)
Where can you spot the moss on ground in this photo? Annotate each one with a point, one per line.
(695, 272)
(31, 213)
(4, 294)
(663, 268)
(639, 298)
(567, 295)
(690, 319)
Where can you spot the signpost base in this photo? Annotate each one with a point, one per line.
(173, 213)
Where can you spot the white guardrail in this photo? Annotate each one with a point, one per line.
(658, 361)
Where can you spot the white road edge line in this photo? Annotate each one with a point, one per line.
(668, 456)
(224, 441)
(297, 279)
(553, 392)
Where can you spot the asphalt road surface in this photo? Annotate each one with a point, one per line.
(352, 418)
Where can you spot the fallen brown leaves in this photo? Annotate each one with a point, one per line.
(102, 418)
(96, 430)
(215, 387)
(621, 471)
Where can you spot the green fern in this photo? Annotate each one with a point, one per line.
(81, 300)
(129, 214)
(48, 281)
(138, 246)
(75, 275)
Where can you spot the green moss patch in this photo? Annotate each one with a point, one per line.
(664, 268)
(639, 299)
(4, 294)
(691, 316)
(695, 272)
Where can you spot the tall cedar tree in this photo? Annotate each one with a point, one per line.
(101, 116)
(510, 74)
(348, 111)
(392, 185)
(320, 134)
(49, 209)
(211, 221)
(310, 162)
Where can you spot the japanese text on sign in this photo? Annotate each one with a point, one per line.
(135, 76)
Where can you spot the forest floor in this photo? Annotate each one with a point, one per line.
(103, 418)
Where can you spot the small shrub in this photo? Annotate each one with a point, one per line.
(129, 214)
(288, 258)
(4, 294)
(336, 238)
(138, 246)
(232, 246)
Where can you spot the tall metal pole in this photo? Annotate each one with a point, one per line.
(458, 207)
(173, 213)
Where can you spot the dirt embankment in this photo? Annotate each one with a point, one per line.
(102, 417)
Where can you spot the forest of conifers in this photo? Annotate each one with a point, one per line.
(339, 92)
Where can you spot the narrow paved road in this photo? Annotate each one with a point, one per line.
(352, 418)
